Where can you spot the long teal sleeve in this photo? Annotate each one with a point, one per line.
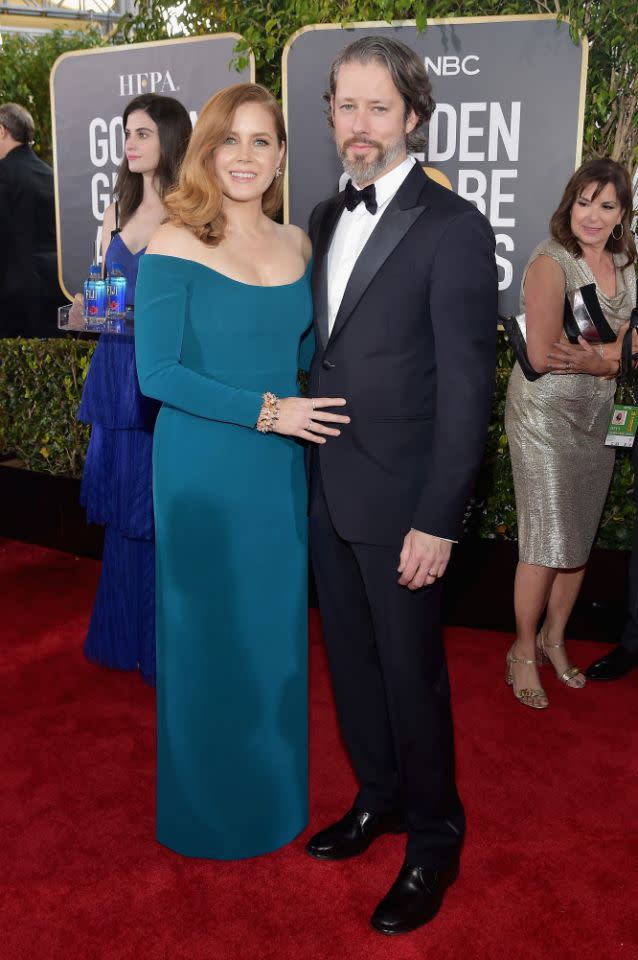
(161, 302)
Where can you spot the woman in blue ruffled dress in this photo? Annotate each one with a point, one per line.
(116, 486)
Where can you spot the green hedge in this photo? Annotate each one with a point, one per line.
(41, 384)
(40, 388)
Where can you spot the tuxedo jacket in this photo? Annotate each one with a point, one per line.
(28, 260)
(412, 350)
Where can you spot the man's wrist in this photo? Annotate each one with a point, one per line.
(435, 535)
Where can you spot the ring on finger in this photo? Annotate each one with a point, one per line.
(431, 573)
(568, 365)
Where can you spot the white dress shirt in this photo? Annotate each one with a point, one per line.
(353, 232)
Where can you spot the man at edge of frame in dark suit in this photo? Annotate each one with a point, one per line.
(405, 292)
(29, 290)
(624, 657)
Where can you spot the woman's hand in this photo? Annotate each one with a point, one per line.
(76, 313)
(308, 418)
(600, 360)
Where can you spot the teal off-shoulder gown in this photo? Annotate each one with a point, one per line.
(230, 531)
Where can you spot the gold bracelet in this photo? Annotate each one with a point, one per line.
(269, 413)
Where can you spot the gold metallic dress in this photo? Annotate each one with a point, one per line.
(556, 428)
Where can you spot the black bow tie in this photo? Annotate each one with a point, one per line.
(368, 196)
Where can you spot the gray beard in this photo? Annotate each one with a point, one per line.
(363, 171)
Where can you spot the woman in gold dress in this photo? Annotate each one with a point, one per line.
(556, 425)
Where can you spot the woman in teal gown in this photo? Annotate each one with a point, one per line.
(223, 316)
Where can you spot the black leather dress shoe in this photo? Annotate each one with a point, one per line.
(352, 834)
(414, 898)
(613, 666)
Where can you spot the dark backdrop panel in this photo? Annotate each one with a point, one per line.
(89, 90)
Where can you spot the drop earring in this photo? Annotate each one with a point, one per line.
(621, 234)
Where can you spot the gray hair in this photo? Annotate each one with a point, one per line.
(408, 75)
(18, 122)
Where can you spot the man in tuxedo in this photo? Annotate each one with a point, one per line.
(405, 291)
(29, 290)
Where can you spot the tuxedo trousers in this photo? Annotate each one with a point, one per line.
(390, 684)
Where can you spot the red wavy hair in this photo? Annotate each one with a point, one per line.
(196, 202)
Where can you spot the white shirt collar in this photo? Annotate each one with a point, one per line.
(388, 184)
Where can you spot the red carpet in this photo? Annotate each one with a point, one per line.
(549, 868)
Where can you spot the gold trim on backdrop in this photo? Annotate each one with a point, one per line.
(580, 130)
(29, 24)
(106, 50)
(435, 21)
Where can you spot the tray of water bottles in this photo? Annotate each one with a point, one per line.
(83, 324)
(104, 308)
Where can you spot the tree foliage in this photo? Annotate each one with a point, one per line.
(611, 121)
(611, 118)
(25, 67)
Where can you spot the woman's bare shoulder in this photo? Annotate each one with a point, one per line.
(171, 240)
(300, 240)
(108, 226)
(108, 220)
(544, 268)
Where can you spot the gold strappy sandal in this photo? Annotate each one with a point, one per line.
(528, 696)
(570, 673)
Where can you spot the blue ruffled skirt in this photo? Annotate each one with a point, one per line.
(117, 491)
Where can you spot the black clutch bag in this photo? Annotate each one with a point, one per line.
(516, 334)
(583, 317)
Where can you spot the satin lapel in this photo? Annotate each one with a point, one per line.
(403, 211)
(320, 270)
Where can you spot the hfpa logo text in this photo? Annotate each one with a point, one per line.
(151, 81)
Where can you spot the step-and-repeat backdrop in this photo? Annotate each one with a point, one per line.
(89, 90)
(506, 133)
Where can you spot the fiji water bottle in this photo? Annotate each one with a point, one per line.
(94, 297)
(116, 294)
